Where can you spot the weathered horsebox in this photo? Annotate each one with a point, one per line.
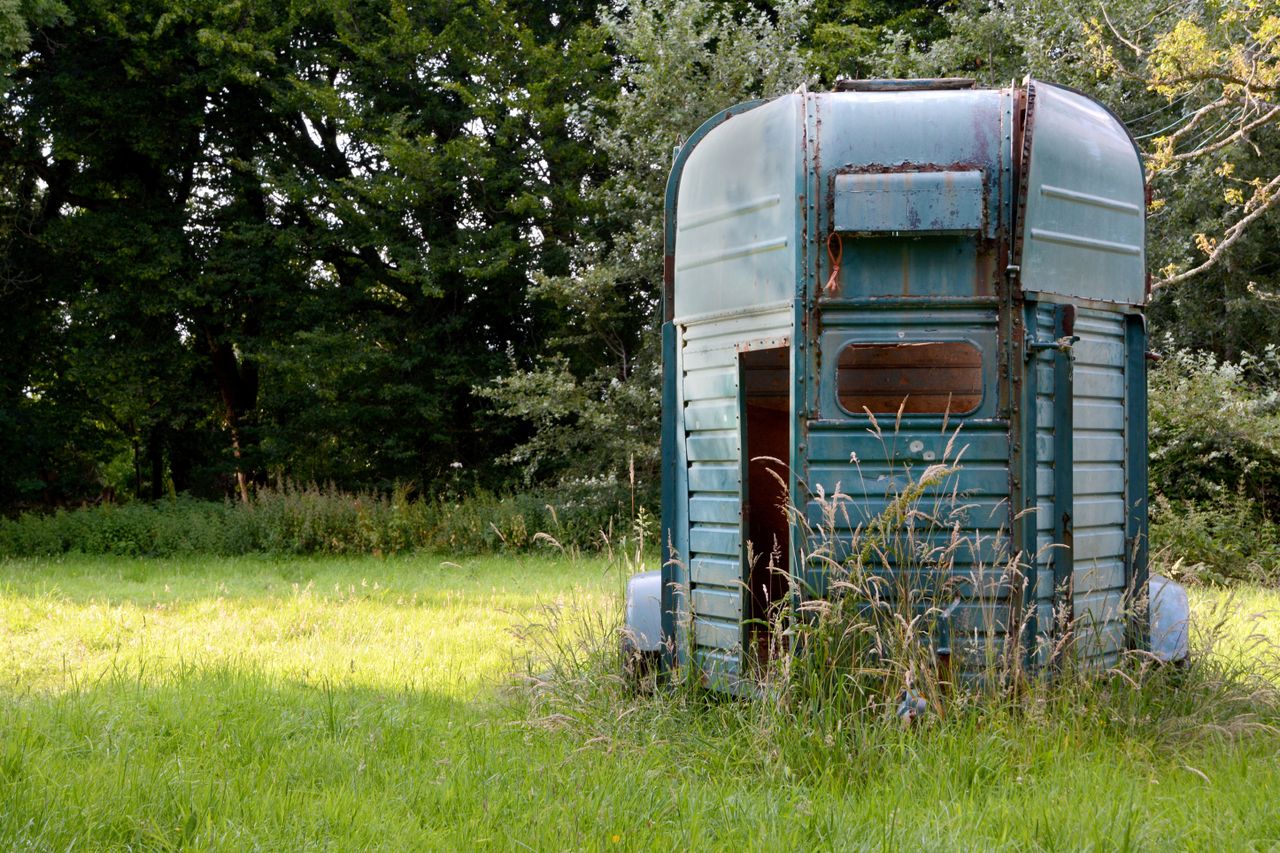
(971, 257)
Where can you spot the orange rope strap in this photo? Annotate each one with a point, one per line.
(834, 256)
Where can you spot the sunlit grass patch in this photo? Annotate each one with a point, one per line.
(421, 622)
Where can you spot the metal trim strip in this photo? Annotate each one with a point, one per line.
(1089, 198)
(754, 311)
(770, 245)
(718, 214)
(1078, 242)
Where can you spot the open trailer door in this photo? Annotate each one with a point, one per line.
(1082, 223)
(1080, 244)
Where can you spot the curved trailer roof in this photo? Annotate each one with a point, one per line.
(737, 208)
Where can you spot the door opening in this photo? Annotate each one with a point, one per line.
(766, 397)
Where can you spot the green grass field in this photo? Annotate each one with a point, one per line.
(370, 704)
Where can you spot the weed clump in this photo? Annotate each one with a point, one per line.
(906, 628)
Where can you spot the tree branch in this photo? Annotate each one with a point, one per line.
(1137, 51)
(1221, 77)
(1195, 118)
(1269, 199)
(1225, 141)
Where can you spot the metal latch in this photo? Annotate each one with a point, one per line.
(1062, 344)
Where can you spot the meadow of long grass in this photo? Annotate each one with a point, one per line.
(291, 519)
(437, 702)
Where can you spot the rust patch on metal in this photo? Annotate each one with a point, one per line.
(1024, 121)
(984, 268)
(906, 270)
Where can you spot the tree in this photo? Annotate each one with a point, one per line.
(593, 397)
(860, 38)
(1220, 67)
(305, 226)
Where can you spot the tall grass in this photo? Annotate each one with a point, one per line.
(293, 520)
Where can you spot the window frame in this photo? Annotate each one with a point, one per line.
(833, 341)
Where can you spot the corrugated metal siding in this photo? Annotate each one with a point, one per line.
(712, 436)
(1098, 583)
(885, 463)
(735, 231)
(1045, 506)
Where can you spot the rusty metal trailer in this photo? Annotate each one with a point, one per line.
(969, 257)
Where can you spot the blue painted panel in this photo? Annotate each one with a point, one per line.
(724, 603)
(710, 414)
(675, 522)
(921, 447)
(715, 571)
(721, 670)
(714, 478)
(1099, 509)
(724, 509)
(737, 223)
(710, 384)
(937, 202)
(712, 448)
(973, 513)
(1095, 543)
(706, 539)
(1099, 575)
(1084, 223)
(873, 479)
(1136, 480)
(717, 633)
(904, 315)
(955, 131)
(922, 266)
(859, 134)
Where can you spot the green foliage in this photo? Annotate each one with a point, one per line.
(854, 38)
(219, 221)
(592, 398)
(17, 17)
(1222, 540)
(1215, 466)
(1215, 429)
(294, 520)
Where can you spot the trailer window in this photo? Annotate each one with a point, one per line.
(933, 377)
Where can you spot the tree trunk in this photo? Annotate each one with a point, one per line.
(238, 388)
(155, 455)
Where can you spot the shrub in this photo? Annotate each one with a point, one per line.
(292, 519)
(1215, 429)
(1215, 541)
(1215, 467)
